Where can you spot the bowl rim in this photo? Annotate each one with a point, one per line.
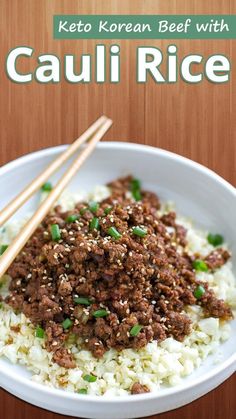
(165, 392)
(129, 146)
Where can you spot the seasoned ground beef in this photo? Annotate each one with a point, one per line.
(138, 388)
(118, 276)
(217, 258)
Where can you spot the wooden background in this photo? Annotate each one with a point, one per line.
(197, 121)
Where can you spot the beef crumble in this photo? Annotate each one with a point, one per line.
(115, 277)
(138, 388)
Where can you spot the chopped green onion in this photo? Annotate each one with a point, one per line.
(39, 332)
(199, 291)
(90, 378)
(138, 231)
(3, 247)
(93, 206)
(135, 184)
(55, 232)
(83, 211)
(200, 265)
(107, 210)
(136, 189)
(215, 239)
(100, 313)
(67, 323)
(72, 218)
(83, 391)
(114, 233)
(135, 330)
(137, 195)
(94, 224)
(47, 187)
(82, 300)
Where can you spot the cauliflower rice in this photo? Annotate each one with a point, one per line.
(155, 365)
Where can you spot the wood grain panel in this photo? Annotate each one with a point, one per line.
(197, 121)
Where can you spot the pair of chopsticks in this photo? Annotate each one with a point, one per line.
(91, 137)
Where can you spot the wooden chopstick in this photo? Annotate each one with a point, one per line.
(18, 201)
(20, 240)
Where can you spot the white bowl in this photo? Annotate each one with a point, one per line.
(198, 193)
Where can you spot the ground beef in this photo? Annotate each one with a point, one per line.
(217, 258)
(213, 307)
(178, 325)
(169, 219)
(111, 292)
(180, 232)
(63, 358)
(138, 388)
